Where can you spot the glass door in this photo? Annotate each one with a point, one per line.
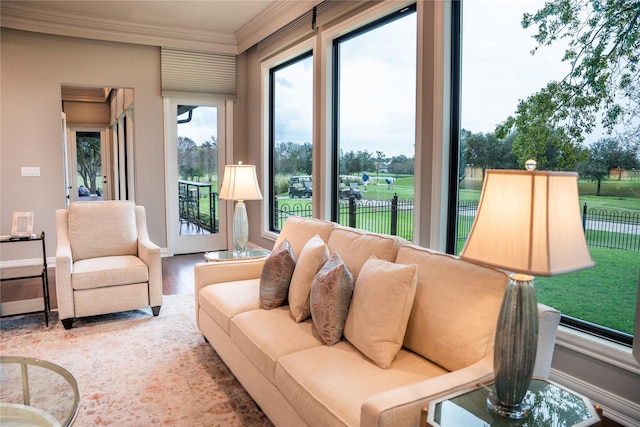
(196, 157)
(88, 165)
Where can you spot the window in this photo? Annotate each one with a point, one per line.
(291, 140)
(374, 103)
(498, 71)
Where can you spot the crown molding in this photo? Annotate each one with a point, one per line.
(273, 17)
(32, 19)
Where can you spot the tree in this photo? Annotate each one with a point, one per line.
(603, 51)
(89, 158)
(186, 157)
(209, 158)
(401, 165)
(607, 154)
(486, 151)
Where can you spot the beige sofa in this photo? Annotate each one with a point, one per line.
(298, 380)
(105, 261)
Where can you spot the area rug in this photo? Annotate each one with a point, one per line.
(134, 369)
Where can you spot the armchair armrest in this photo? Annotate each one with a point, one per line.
(149, 253)
(64, 267)
(402, 406)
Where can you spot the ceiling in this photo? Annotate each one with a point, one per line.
(223, 26)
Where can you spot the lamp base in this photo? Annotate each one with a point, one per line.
(515, 412)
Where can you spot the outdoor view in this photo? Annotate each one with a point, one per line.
(197, 169)
(375, 132)
(571, 105)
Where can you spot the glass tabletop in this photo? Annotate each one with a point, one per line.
(37, 392)
(553, 406)
(231, 255)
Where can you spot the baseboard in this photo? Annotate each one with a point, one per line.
(614, 407)
(11, 308)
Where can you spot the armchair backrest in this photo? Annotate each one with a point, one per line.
(98, 229)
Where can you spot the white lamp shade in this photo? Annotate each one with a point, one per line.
(240, 183)
(529, 222)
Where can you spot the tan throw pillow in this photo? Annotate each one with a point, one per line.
(380, 309)
(312, 257)
(331, 292)
(276, 275)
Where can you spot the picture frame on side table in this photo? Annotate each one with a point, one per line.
(22, 224)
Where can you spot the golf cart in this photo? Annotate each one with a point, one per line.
(300, 186)
(348, 186)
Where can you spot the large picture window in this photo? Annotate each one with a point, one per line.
(291, 140)
(498, 72)
(374, 125)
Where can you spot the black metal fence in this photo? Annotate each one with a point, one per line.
(603, 228)
(191, 197)
(611, 229)
(393, 216)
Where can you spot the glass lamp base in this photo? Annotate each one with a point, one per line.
(515, 412)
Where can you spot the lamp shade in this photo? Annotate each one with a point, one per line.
(529, 222)
(240, 183)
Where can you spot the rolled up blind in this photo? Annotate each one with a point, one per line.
(200, 72)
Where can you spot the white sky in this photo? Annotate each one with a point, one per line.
(378, 91)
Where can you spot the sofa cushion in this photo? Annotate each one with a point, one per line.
(380, 308)
(356, 246)
(108, 271)
(98, 229)
(276, 276)
(328, 385)
(222, 301)
(299, 230)
(455, 312)
(330, 295)
(264, 336)
(312, 257)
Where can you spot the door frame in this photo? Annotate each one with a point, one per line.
(71, 164)
(177, 244)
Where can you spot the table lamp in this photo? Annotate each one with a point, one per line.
(240, 183)
(528, 222)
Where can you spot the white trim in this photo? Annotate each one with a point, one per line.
(597, 348)
(24, 306)
(614, 407)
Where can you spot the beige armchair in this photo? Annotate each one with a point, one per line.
(105, 262)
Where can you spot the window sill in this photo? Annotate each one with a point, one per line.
(598, 348)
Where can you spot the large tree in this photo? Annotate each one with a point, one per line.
(607, 154)
(603, 45)
(89, 158)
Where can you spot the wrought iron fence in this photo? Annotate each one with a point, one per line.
(194, 210)
(393, 216)
(611, 229)
(603, 228)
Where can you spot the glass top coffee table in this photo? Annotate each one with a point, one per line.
(35, 392)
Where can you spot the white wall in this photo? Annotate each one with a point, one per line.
(33, 68)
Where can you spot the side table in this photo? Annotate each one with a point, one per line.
(219, 256)
(553, 406)
(30, 272)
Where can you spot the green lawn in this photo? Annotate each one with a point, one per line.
(605, 295)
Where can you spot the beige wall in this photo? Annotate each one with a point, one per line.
(33, 68)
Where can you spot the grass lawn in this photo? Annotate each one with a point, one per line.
(605, 295)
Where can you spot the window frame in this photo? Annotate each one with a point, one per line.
(272, 70)
(335, 92)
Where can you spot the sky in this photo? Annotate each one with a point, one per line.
(378, 81)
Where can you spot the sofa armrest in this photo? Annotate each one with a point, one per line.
(209, 273)
(402, 406)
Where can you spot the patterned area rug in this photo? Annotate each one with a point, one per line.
(137, 370)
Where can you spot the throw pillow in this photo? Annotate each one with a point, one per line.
(330, 295)
(312, 257)
(276, 275)
(380, 308)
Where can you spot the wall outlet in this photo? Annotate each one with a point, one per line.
(30, 170)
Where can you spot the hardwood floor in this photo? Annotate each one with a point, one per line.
(177, 278)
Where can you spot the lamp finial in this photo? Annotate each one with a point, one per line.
(530, 165)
